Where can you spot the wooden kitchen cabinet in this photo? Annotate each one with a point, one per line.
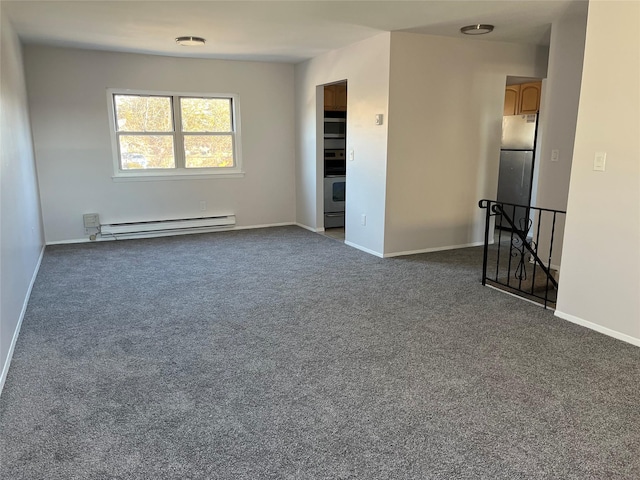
(335, 97)
(530, 97)
(341, 97)
(522, 99)
(329, 97)
(511, 99)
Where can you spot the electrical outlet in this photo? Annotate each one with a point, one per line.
(363, 220)
(203, 206)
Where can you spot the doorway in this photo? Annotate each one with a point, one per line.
(334, 166)
(518, 149)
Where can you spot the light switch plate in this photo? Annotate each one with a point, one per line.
(599, 162)
(379, 119)
(555, 155)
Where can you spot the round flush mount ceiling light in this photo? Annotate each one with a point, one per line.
(191, 41)
(479, 29)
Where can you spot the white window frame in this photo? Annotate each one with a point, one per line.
(179, 171)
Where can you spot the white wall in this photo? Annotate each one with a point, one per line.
(68, 102)
(557, 129)
(445, 118)
(600, 281)
(365, 66)
(21, 237)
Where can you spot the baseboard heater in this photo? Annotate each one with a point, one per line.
(160, 228)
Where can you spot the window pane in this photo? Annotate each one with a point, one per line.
(146, 151)
(136, 113)
(206, 114)
(204, 151)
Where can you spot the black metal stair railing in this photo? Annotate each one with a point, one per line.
(514, 238)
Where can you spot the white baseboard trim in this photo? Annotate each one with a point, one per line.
(76, 240)
(364, 249)
(14, 339)
(170, 234)
(142, 235)
(434, 249)
(266, 225)
(598, 328)
(311, 229)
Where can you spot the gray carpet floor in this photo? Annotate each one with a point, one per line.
(281, 354)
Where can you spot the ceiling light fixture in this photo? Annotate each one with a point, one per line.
(190, 41)
(479, 29)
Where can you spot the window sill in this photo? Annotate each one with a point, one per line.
(159, 177)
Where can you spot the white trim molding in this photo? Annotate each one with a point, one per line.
(212, 230)
(364, 249)
(307, 227)
(76, 240)
(434, 249)
(598, 328)
(266, 225)
(147, 177)
(14, 339)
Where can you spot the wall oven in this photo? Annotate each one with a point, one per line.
(335, 127)
(334, 162)
(334, 200)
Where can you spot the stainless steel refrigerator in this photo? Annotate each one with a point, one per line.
(516, 167)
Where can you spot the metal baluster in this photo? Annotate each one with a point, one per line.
(499, 247)
(513, 216)
(553, 231)
(522, 271)
(535, 264)
(487, 223)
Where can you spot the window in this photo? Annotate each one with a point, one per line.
(174, 135)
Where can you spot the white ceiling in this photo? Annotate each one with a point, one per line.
(285, 31)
